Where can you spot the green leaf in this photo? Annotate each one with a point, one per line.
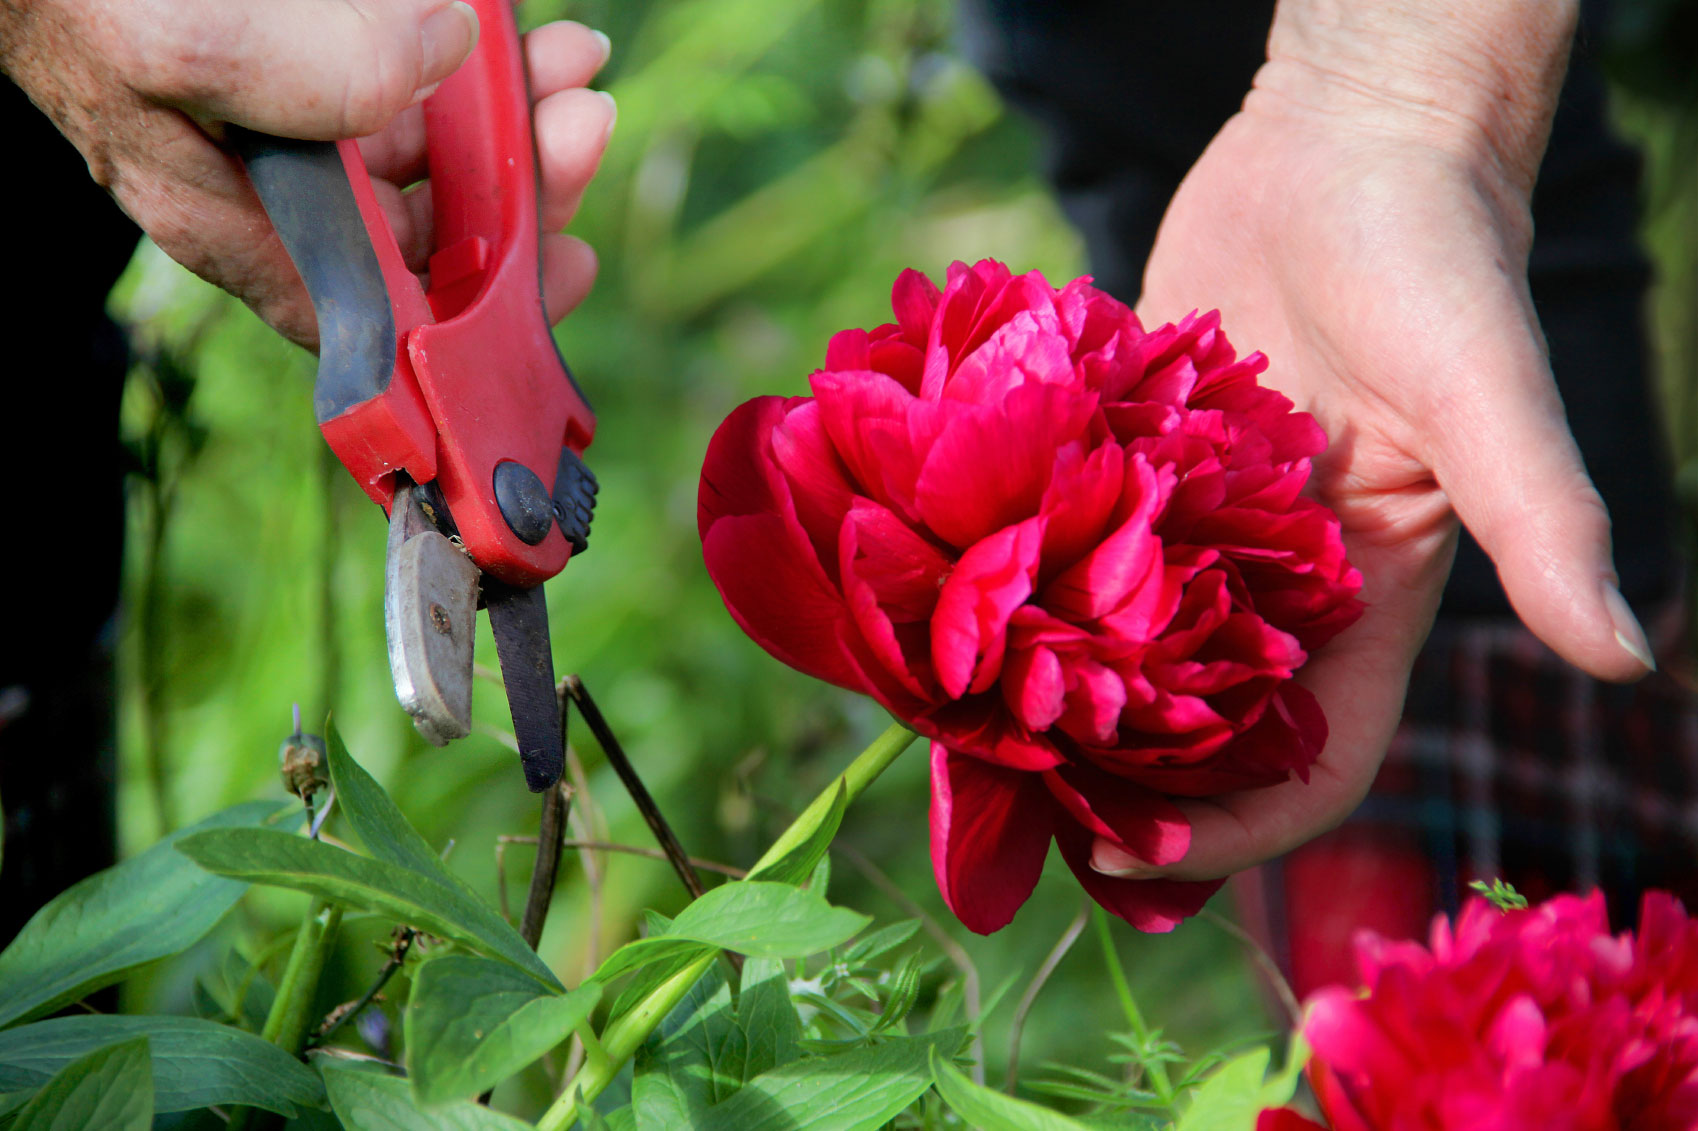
(761, 920)
(1237, 1092)
(370, 1101)
(853, 1091)
(471, 1023)
(767, 1017)
(691, 1061)
(382, 828)
(647, 979)
(196, 1063)
(798, 864)
(110, 1088)
(981, 1108)
(100, 929)
(265, 856)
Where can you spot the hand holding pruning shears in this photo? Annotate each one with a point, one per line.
(449, 405)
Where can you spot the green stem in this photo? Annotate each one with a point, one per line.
(291, 1012)
(622, 1038)
(1155, 1069)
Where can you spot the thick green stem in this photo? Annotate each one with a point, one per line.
(291, 1012)
(1156, 1070)
(622, 1038)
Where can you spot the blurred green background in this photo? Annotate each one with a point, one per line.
(776, 164)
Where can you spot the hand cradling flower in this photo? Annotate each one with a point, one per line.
(1070, 551)
(1520, 1019)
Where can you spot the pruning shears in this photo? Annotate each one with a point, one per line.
(451, 406)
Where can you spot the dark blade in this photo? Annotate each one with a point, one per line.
(519, 618)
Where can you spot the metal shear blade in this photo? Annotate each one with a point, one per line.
(430, 606)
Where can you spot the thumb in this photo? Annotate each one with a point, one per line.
(322, 69)
(1506, 459)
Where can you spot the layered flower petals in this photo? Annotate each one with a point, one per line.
(1072, 551)
(1532, 1018)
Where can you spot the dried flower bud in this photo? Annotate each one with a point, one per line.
(302, 760)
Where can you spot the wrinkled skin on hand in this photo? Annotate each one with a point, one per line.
(143, 88)
(1376, 247)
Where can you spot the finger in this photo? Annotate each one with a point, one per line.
(409, 216)
(197, 205)
(397, 152)
(568, 272)
(1504, 455)
(563, 55)
(301, 68)
(572, 127)
(559, 56)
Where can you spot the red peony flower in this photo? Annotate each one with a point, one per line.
(1537, 1019)
(1070, 551)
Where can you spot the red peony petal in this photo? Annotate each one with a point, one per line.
(1077, 504)
(990, 464)
(904, 655)
(970, 623)
(819, 483)
(904, 570)
(1141, 821)
(738, 477)
(914, 298)
(1284, 1119)
(866, 417)
(1095, 697)
(983, 726)
(1033, 686)
(990, 830)
(1152, 906)
(1124, 573)
(776, 591)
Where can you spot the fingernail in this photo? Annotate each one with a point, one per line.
(446, 38)
(612, 113)
(606, 45)
(1110, 859)
(1628, 632)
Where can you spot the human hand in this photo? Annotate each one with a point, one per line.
(1364, 221)
(143, 89)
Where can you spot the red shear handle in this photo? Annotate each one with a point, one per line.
(489, 369)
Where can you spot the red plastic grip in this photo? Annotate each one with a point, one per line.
(477, 348)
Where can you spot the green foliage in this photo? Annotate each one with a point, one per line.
(266, 856)
(993, 1111)
(1236, 1092)
(103, 928)
(195, 1063)
(110, 1088)
(472, 1022)
(765, 920)
(1500, 895)
(369, 1101)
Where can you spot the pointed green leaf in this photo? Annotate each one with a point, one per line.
(472, 1022)
(981, 1108)
(99, 930)
(196, 1063)
(1236, 1092)
(852, 1091)
(692, 1061)
(763, 920)
(382, 828)
(768, 1017)
(266, 856)
(798, 864)
(110, 1088)
(370, 1101)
